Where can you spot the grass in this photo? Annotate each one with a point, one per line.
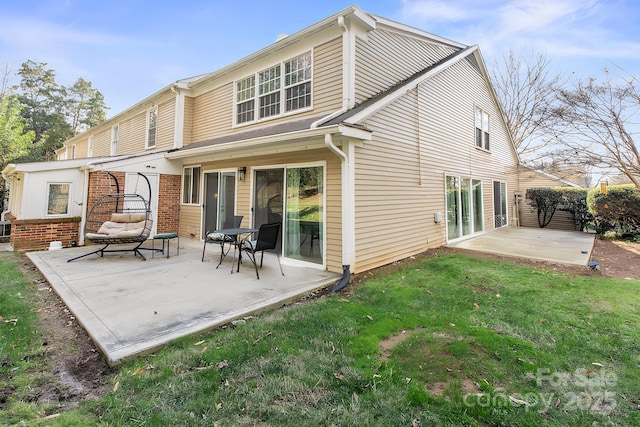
(21, 355)
(451, 340)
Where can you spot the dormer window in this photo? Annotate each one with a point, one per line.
(289, 81)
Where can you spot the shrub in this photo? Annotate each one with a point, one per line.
(575, 201)
(617, 212)
(548, 200)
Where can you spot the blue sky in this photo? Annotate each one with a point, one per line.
(130, 49)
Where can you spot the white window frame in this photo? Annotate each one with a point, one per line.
(73, 151)
(188, 198)
(48, 195)
(276, 81)
(482, 131)
(152, 119)
(245, 96)
(297, 72)
(90, 147)
(115, 135)
(286, 166)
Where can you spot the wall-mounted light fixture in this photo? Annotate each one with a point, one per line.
(242, 173)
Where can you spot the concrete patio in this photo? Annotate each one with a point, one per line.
(130, 307)
(556, 246)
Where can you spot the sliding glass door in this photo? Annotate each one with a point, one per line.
(293, 196)
(219, 199)
(464, 206)
(500, 203)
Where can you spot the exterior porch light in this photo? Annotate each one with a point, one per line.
(242, 173)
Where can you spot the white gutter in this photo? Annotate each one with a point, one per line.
(270, 141)
(348, 205)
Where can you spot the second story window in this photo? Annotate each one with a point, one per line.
(274, 91)
(482, 128)
(245, 94)
(114, 140)
(269, 91)
(152, 126)
(297, 82)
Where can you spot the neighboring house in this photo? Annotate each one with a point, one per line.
(370, 141)
(532, 178)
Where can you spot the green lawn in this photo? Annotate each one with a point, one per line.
(450, 340)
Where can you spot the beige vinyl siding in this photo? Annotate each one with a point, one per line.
(386, 58)
(562, 220)
(81, 149)
(187, 137)
(102, 142)
(327, 78)
(190, 216)
(400, 183)
(166, 125)
(450, 98)
(213, 111)
(190, 221)
(131, 136)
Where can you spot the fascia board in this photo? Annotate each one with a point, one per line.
(415, 32)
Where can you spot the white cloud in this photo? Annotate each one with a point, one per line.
(435, 10)
(542, 15)
(31, 33)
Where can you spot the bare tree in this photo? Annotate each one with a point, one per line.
(599, 122)
(526, 90)
(5, 78)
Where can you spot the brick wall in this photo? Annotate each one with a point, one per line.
(100, 183)
(169, 203)
(36, 234)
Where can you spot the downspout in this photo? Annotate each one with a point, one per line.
(347, 80)
(347, 220)
(178, 127)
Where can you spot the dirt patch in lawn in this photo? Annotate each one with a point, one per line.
(74, 370)
(388, 344)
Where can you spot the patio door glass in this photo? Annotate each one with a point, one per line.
(478, 214)
(500, 203)
(464, 206)
(304, 214)
(295, 198)
(219, 199)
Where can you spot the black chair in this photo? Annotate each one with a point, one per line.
(267, 240)
(231, 221)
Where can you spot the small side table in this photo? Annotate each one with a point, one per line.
(165, 237)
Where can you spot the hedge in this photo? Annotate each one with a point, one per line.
(617, 212)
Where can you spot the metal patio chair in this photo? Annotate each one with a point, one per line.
(231, 221)
(267, 240)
